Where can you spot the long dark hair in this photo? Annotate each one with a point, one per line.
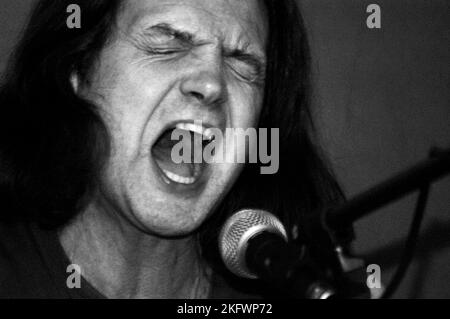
(53, 143)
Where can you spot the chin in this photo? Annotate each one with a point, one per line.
(172, 222)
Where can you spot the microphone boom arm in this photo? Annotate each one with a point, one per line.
(394, 188)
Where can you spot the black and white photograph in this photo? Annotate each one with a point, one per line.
(243, 150)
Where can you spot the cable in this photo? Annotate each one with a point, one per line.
(410, 245)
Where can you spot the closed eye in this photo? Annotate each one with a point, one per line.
(163, 51)
(247, 68)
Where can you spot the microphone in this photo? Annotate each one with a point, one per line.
(253, 244)
(239, 230)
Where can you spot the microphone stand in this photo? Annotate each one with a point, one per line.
(349, 272)
(394, 188)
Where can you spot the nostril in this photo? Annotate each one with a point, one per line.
(198, 96)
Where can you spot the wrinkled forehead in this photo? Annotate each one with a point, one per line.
(230, 21)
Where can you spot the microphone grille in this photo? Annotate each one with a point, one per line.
(236, 233)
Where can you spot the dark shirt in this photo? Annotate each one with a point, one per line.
(33, 264)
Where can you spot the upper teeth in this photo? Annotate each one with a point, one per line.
(196, 128)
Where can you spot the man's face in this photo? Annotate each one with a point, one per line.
(172, 62)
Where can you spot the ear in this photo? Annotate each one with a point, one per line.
(75, 81)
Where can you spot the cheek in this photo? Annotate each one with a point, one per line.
(246, 107)
(126, 86)
(127, 97)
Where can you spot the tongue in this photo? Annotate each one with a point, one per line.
(162, 153)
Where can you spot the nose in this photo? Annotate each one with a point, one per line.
(205, 84)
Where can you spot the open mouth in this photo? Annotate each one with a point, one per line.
(189, 171)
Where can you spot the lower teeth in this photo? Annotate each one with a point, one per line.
(179, 179)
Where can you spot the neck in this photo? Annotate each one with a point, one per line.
(121, 261)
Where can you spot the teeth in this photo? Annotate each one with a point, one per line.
(179, 179)
(199, 129)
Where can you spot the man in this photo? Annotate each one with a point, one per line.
(86, 180)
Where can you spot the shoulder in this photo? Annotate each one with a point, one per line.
(14, 241)
(23, 272)
(13, 249)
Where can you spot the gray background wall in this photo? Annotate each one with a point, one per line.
(382, 100)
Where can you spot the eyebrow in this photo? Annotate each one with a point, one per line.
(190, 39)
